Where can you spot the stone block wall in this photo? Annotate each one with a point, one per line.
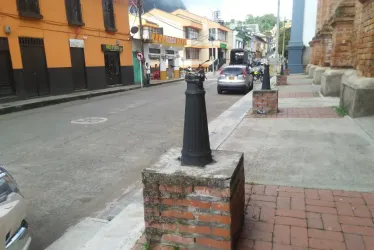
(341, 55)
(265, 101)
(192, 211)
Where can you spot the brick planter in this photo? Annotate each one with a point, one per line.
(282, 80)
(265, 101)
(287, 72)
(192, 207)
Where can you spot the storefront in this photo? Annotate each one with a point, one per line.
(163, 55)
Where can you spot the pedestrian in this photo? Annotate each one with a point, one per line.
(148, 73)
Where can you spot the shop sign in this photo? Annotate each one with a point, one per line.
(223, 46)
(108, 47)
(76, 43)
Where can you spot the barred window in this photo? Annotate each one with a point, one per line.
(74, 12)
(29, 8)
(108, 11)
(192, 53)
(152, 30)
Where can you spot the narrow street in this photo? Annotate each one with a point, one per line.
(68, 168)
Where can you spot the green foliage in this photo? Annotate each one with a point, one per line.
(146, 246)
(265, 22)
(341, 111)
(284, 32)
(176, 248)
(165, 5)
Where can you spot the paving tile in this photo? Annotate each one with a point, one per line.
(260, 226)
(245, 244)
(350, 220)
(291, 194)
(262, 204)
(291, 213)
(354, 242)
(319, 209)
(367, 231)
(271, 190)
(253, 213)
(290, 221)
(314, 220)
(347, 194)
(291, 189)
(323, 234)
(257, 235)
(311, 194)
(282, 234)
(349, 200)
(258, 189)
(284, 202)
(267, 215)
(298, 204)
(331, 222)
(361, 211)
(369, 242)
(326, 244)
(267, 198)
(369, 198)
(261, 245)
(326, 195)
(299, 237)
(344, 208)
(320, 203)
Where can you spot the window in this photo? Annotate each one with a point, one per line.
(191, 33)
(212, 33)
(74, 12)
(170, 52)
(152, 30)
(192, 53)
(154, 51)
(29, 8)
(222, 35)
(108, 10)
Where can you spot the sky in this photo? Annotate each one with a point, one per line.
(239, 9)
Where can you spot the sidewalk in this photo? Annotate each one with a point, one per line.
(51, 100)
(309, 174)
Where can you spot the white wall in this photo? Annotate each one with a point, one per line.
(310, 18)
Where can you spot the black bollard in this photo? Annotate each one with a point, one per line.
(196, 146)
(282, 70)
(266, 80)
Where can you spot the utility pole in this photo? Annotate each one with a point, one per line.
(277, 45)
(140, 10)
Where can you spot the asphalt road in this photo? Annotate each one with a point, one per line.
(68, 170)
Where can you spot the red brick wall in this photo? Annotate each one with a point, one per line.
(341, 55)
(265, 101)
(365, 40)
(195, 216)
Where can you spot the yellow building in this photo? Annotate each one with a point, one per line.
(199, 45)
(50, 47)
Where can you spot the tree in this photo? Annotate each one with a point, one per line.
(287, 33)
(165, 5)
(265, 22)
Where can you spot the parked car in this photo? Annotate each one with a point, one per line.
(14, 229)
(235, 78)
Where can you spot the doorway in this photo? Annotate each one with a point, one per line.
(170, 69)
(78, 65)
(112, 68)
(34, 66)
(6, 70)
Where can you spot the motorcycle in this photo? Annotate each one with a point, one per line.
(258, 73)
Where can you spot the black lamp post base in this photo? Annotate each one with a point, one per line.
(201, 160)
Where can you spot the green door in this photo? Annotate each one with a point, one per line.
(137, 68)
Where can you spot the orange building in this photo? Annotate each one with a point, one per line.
(51, 47)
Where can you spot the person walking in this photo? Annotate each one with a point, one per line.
(148, 74)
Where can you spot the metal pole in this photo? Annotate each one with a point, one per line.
(213, 59)
(141, 74)
(277, 45)
(196, 145)
(140, 9)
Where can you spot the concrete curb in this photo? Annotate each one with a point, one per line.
(9, 108)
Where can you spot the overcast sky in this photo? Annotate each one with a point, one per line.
(238, 9)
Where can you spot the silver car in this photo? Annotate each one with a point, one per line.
(235, 78)
(14, 229)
